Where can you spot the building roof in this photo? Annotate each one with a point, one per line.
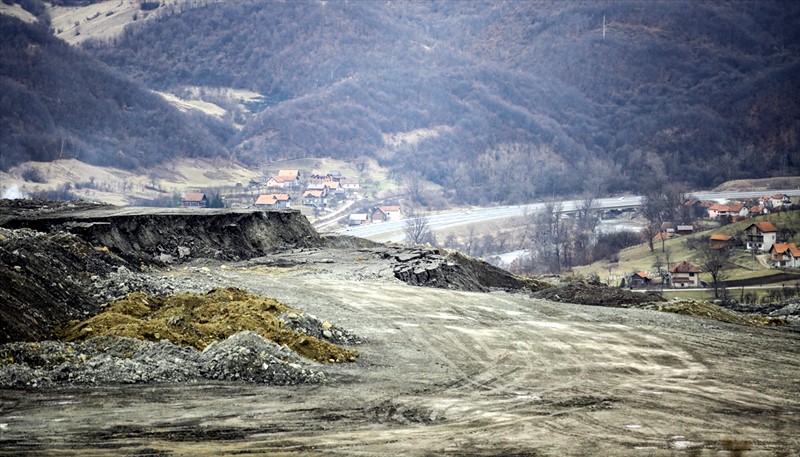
(313, 193)
(720, 237)
(764, 227)
(390, 209)
(289, 174)
(359, 217)
(276, 179)
(684, 267)
(194, 196)
(266, 199)
(663, 236)
(642, 275)
(757, 209)
(685, 228)
(783, 248)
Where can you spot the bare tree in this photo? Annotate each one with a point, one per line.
(417, 229)
(713, 261)
(414, 186)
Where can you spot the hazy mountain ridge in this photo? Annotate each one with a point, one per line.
(699, 92)
(58, 102)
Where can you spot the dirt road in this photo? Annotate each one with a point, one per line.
(453, 373)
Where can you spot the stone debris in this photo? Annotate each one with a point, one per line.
(243, 357)
(197, 320)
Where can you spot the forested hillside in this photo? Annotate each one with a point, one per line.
(59, 102)
(494, 101)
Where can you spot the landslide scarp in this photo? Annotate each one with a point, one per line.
(159, 235)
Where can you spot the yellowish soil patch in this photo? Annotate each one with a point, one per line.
(712, 311)
(197, 320)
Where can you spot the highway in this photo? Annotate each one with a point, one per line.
(392, 231)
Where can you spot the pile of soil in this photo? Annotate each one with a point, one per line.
(197, 320)
(597, 295)
(704, 309)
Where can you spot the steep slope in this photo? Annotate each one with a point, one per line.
(690, 91)
(58, 102)
(496, 102)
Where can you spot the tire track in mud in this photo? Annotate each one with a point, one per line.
(461, 373)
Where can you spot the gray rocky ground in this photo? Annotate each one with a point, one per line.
(471, 364)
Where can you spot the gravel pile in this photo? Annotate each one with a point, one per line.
(245, 357)
(122, 281)
(310, 325)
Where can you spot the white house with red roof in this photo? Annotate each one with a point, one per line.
(785, 255)
(760, 235)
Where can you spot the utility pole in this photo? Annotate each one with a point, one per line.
(604, 26)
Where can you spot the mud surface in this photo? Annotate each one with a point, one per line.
(469, 365)
(446, 372)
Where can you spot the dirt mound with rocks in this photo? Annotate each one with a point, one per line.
(452, 270)
(597, 295)
(244, 356)
(198, 320)
(704, 309)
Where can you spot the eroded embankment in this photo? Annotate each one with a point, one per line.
(52, 256)
(165, 235)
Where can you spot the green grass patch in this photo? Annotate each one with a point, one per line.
(742, 265)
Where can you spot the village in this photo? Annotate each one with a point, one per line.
(710, 244)
(736, 244)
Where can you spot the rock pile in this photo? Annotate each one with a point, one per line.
(451, 270)
(197, 320)
(244, 357)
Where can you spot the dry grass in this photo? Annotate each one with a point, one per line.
(197, 320)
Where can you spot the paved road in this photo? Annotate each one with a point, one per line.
(393, 230)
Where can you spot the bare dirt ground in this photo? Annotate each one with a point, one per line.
(445, 372)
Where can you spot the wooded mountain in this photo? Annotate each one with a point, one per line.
(495, 101)
(58, 102)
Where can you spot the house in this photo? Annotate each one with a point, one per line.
(386, 213)
(668, 227)
(732, 210)
(774, 201)
(684, 274)
(784, 255)
(268, 201)
(758, 209)
(290, 177)
(720, 241)
(276, 182)
(663, 236)
(350, 183)
(779, 200)
(640, 278)
(358, 219)
(685, 229)
(760, 235)
(194, 200)
(314, 197)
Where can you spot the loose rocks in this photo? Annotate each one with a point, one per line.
(245, 357)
